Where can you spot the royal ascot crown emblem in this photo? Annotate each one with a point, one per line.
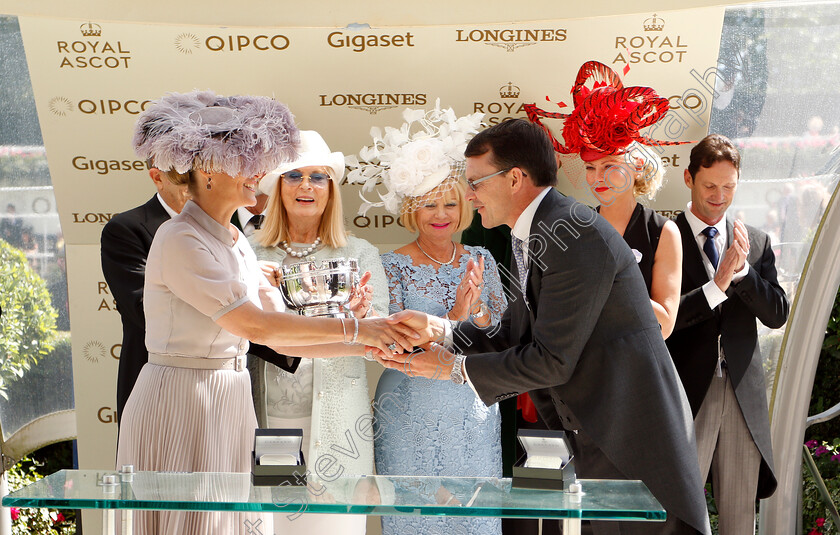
(654, 24)
(91, 29)
(509, 91)
(186, 43)
(320, 287)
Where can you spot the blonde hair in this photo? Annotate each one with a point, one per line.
(275, 228)
(651, 173)
(408, 218)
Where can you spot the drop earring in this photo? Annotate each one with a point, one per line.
(209, 180)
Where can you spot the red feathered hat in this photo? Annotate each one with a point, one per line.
(607, 118)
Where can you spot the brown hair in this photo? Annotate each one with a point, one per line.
(518, 143)
(712, 149)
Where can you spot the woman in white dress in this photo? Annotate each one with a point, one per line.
(324, 397)
(205, 297)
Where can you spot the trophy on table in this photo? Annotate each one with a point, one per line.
(320, 288)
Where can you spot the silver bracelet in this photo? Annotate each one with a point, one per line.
(481, 312)
(355, 332)
(343, 330)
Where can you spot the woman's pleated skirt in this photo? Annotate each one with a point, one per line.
(192, 420)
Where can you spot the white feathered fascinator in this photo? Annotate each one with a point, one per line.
(410, 161)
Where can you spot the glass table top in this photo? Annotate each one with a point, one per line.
(369, 495)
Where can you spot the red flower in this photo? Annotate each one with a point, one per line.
(815, 531)
(15, 512)
(820, 522)
(59, 518)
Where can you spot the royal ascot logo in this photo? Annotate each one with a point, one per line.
(90, 30)
(104, 166)
(506, 106)
(93, 52)
(372, 103)
(509, 91)
(61, 106)
(361, 42)
(654, 24)
(188, 43)
(653, 46)
(93, 351)
(511, 39)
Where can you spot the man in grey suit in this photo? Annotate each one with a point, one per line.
(582, 337)
(728, 281)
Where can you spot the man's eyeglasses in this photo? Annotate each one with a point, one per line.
(295, 178)
(473, 183)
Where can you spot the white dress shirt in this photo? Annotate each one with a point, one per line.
(522, 230)
(245, 220)
(172, 213)
(714, 295)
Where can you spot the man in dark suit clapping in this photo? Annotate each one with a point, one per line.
(580, 336)
(728, 281)
(125, 244)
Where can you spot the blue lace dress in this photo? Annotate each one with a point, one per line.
(428, 427)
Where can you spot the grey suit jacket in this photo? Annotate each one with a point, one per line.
(694, 342)
(589, 349)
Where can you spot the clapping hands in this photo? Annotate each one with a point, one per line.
(468, 292)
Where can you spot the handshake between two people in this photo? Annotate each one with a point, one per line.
(417, 348)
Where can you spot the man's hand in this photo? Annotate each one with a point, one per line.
(430, 328)
(735, 257)
(430, 361)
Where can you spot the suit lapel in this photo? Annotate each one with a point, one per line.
(694, 272)
(730, 234)
(155, 215)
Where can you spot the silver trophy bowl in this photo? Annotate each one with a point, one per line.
(320, 287)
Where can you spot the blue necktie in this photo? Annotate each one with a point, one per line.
(709, 247)
(519, 256)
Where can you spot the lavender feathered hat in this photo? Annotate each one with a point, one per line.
(238, 135)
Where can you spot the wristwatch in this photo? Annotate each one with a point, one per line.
(457, 375)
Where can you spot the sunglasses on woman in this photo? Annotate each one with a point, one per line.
(295, 178)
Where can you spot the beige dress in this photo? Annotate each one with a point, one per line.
(195, 420)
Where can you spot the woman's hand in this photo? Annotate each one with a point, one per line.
(271, 270)
(468, 293)
(362, 297)
(388, 338)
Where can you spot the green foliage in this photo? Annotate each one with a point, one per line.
(27, 164)
(36, 521)
(815, 515)
(27, 326)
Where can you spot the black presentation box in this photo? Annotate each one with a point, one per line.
(278, 446)
(548, 463)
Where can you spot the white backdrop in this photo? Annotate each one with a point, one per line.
(92, 78)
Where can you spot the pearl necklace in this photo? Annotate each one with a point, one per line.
(454, 250)
(305, 252)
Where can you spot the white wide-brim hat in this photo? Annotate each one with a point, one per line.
(313, 151)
